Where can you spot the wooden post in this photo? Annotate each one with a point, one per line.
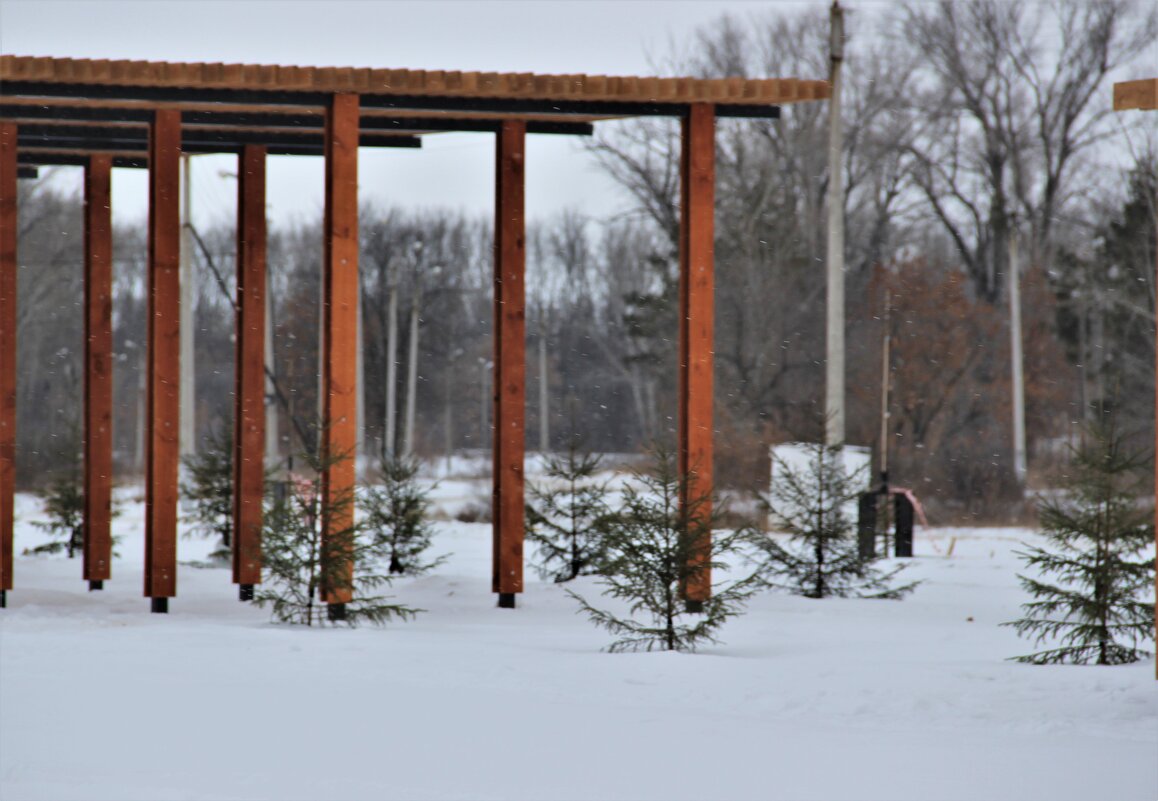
(8, 172)
(1143, 95)
(98, 370)
(697, 264)
(340, 335)
(510, 363)
(163, 393)
(249, 375)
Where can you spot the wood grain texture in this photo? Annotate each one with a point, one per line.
(1142, 95)
(697, 304)
(8, 169)
(340, 326)
(163, 396)
(98, 368)
(425, 83)
(510, 359)
(249, 375)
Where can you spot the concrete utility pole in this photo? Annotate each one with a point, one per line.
(188, 433)
(834, 356)
(1019, 466)
(391, 368)
(886, 342)
(411, 378)
(544, 402)
(272, 443)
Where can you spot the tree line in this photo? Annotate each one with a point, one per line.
(967, 124)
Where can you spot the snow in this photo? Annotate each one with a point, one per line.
(833, 699)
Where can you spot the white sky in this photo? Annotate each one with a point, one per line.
(621, 37)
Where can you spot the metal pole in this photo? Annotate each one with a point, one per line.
(834, 357)
(1019, 466)
(188, 433)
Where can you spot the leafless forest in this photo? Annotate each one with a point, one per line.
(966, 124)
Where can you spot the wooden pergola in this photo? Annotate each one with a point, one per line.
(102, 114)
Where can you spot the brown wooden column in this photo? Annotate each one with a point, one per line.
(8, 172)
(697, 265)
(340, 333)
(162, 395)
(1143, 95)
(98, 370)
(510, 361)
(249, 392)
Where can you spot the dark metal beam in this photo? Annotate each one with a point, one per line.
(288, 119)
(380, 101)
(126, 138)
(78, 159)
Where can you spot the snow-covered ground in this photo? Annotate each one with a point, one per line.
(833, 699)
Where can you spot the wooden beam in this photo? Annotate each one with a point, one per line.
(8, 171)
(697, 266)
(1136, 95)
(163, 397)
(340, 334)
(249, 394)
(98, 369)
(510, 362)
(104, 78)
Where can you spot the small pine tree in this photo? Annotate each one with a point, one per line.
(652, 549)
(64, 508)
(209, 490)
(1095, 532)
(300, 561)
(567, 515)
(822, 559)
(397, 516)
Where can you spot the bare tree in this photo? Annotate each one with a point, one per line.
(1006, 108)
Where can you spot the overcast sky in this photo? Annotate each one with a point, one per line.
(624, 37)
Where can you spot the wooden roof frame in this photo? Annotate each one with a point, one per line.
(67, 107)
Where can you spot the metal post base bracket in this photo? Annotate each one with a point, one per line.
(506, 600)
(335, 613)
(159, 606)
(95, 585)
(245, 592)
(694, 607)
